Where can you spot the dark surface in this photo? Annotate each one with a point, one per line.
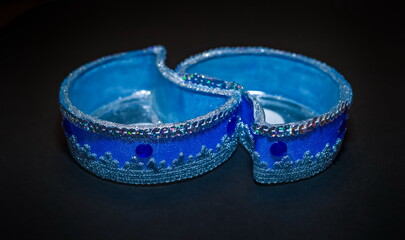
(45, 194)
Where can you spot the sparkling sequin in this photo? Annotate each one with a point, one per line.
(295, 130)
(292, 130)
(280, 131)
(210, 120)
(301, 127)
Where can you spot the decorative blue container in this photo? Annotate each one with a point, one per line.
(294, 108)
(128, 118)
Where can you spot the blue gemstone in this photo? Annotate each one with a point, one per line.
(278, 148)
(144, 150)
(342, 128)
(231, 126)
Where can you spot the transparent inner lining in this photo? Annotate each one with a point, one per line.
(288, 89)
(136, 108)
(279, 110)
(131, 89)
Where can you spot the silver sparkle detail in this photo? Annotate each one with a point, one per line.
(345, 98)
(96, 125)
(245, 137)
(286, 170)
(136, 172)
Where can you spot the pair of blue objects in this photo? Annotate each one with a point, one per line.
(129, 118)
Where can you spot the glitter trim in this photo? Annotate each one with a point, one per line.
(202, 80)
(153, 172)
(170, 130)
(287, 170)
(90, 123)
(261, 127)
(245, 137)
(297, 128)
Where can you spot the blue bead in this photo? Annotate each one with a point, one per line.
(144, 150)
(278, 148)
(231, 126)
(342, 128)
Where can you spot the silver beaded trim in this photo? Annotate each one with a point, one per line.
(297, 128)
(286, 170)
(136, 172)
(261, 127)
(203, 80)
(245, 137)
(154, 131)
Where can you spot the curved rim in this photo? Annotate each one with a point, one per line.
(160, 53)
(345, 91)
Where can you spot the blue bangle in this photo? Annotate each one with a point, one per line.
(293, 108)
(129, 118)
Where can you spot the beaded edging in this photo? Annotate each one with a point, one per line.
(170, 130)
(203, 80)
(288, 129)
(286, 170)
(154, 131)
(298, 128)
(153, 172)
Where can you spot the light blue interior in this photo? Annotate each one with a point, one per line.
(104, 82)
(275, 75)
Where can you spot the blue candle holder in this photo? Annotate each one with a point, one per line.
(129, 118)
(293, 110)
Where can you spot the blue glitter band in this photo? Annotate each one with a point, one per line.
(128, 118)
(294, 108)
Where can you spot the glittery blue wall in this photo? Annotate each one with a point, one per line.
(122, 149)
(313, 141)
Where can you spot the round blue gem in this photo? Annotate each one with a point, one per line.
(278, 148)
(144, 150)
(231, 126)
(342, 128)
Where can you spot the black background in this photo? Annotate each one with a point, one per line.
(45, 194)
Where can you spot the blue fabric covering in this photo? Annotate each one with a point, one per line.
(246, 110)
(123, 149)
(298, 145)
